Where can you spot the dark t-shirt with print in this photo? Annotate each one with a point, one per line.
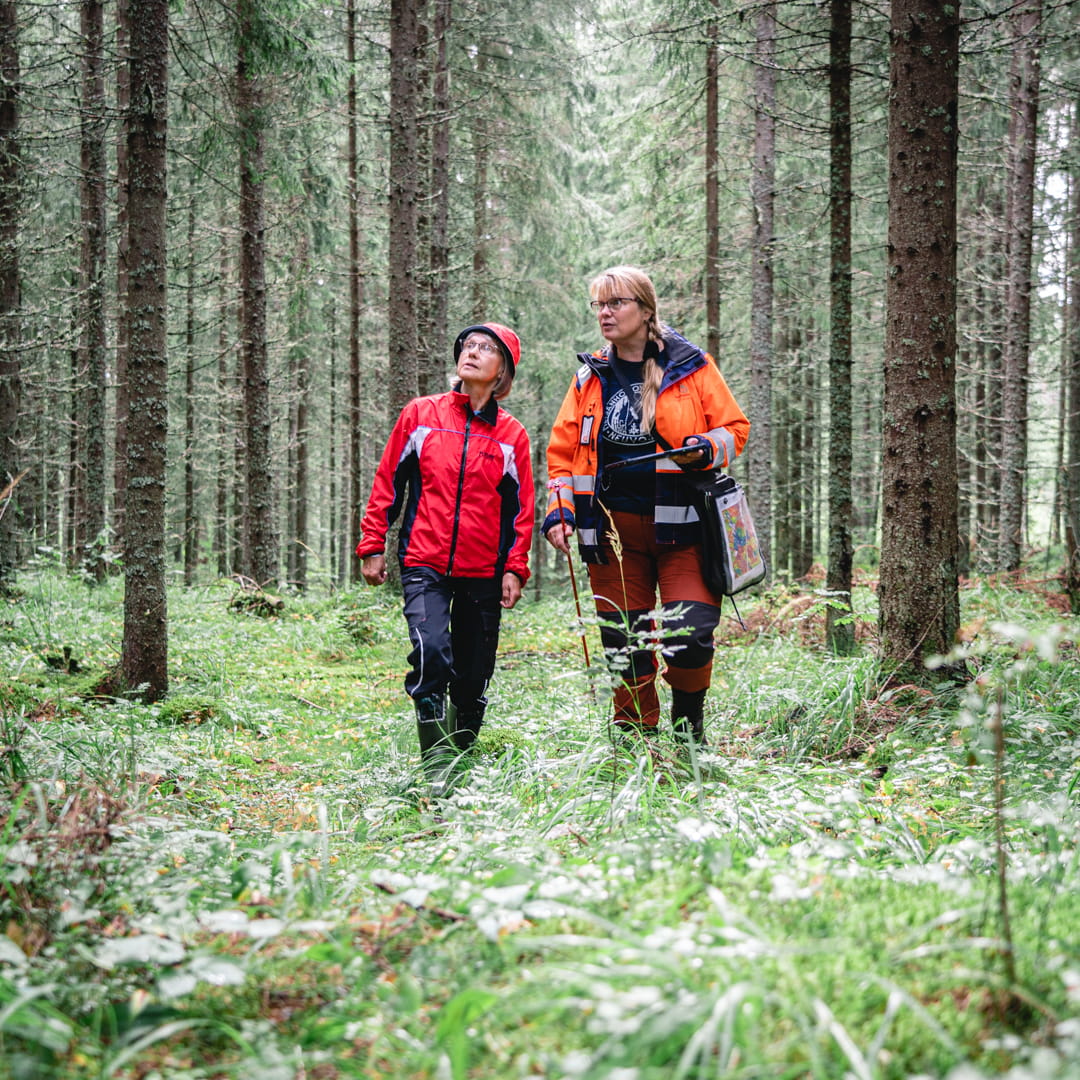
(633, 488)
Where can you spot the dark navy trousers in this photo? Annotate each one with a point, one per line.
(454, 630)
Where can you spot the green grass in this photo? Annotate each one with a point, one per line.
(246, 880)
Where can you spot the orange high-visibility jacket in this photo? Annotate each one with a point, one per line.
(693, 399)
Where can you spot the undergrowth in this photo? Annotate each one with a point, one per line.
(855, 878)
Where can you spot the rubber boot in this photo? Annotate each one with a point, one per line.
(688, 715)
(436, 745)
(466, 727)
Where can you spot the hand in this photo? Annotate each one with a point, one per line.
(374, 569)
(511, 590)
(558, 536)
(698, 453)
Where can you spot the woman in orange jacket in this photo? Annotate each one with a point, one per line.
(648, 389)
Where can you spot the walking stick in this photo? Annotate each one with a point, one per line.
(555, 485)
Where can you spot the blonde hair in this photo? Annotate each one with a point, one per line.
(635, 283)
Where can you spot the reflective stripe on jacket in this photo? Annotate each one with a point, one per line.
(693, 399)
(468, 477)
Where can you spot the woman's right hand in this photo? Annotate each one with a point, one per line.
(374, 569)
(558, 536)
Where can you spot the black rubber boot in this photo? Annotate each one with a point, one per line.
(688, 715)
(466, 727)
(436, 744)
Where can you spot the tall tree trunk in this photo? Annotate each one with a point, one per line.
(439, 300)
(123, 101)
(763, 194)
(1072, 486)
(144, 660)
(223, 449)
(404, 74)
(1019, 227)
(481, 150)
(332, 460)
(300, 319)
(11, 459)
(260, 540)
(92, 167)
(426, 380)
(839, 626)
(919, 595)
(76, 496)
(354, 489)
(712, 190)
(191, 521)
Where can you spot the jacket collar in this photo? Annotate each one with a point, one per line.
(678, 358)
(489, 412)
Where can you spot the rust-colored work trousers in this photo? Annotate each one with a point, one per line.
(625, 589)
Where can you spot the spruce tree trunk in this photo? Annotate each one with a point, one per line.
(223, 451)
(123, 101)
(191, 522)
(92, 167)
(11, 456)
(1019, 228)
(763, 194)
(300, 325)
(839, 628)
(402, 308)
(712, 192)
(480, 227)
(354, 487)
(439, 287)
(1072, 486)
(260, 540)
(918, 594)
(144, 660)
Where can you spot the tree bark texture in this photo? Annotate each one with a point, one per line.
(481, 149)
(92, 168)
(1072, 438)
(763, 195)
(404, 44)
(712, 192)
(918, 595)
(144, 661)
(1019, 228)
(11, 464)
(191, 518)
(123, 101)
(260, 539)
(354, 491)
(439, 287)
(839, 627)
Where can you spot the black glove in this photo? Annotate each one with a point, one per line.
(705, 451)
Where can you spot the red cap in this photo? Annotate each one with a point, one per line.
(511, 344)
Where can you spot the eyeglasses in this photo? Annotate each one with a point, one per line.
(481, 344)
(614, 304)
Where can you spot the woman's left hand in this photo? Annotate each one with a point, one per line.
(698, 453)
(511, 589)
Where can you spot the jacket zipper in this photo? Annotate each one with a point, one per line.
(460, 489)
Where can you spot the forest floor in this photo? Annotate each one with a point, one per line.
(855, 878)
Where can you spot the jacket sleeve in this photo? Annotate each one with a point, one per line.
(388, 487)
(517, 561)
(726, 425)
(560, 459)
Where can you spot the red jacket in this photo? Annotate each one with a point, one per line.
(469, 511)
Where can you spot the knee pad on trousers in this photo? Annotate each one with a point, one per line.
(623, 633)
(688, 635)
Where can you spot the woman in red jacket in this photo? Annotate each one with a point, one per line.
(460, 467)
(638, 530)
